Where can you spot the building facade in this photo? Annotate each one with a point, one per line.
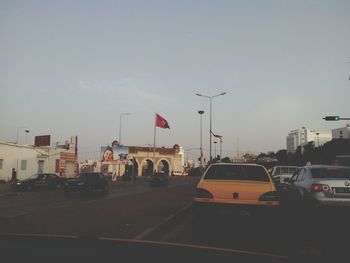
(341, 133)
(167, 159)
(28, 159)
(303, 136)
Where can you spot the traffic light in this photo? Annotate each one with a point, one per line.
(331, 118)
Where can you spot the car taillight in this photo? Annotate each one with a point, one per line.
(270, 196)
(320, 188)
(202, 193)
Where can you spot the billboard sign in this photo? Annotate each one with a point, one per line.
(43, 140)
(114, 154)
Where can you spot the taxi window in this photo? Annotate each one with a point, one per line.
(236, 172)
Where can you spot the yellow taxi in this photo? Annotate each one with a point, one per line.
(239, 189)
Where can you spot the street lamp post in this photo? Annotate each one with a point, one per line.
(210, 135)
(220, 149)
(201, 112)
(27, 131)
(120, 126)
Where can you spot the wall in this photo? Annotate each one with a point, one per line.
(13, 154)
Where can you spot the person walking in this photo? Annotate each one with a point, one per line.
(14, 175)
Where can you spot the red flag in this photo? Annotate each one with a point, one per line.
(161, 122)
(215, 135)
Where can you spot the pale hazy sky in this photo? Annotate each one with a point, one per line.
(72, 67)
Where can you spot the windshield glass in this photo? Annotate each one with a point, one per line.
(331, 173)
(34, 176)
(123, 106)
(236, 172)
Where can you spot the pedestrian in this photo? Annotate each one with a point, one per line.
(14, 175)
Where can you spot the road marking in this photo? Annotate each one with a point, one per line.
(163, 222)
(182, 245)
(144, 233)
(15, 215)
(38, 235)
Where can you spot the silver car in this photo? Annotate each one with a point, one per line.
(320, 185)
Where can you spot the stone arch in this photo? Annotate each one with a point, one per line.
(147, 167)
(163, 164)
(136, 166)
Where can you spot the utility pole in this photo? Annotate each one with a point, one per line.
(201, 112)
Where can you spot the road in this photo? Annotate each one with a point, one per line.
(136, 211)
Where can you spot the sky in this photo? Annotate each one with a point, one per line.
(73, 67)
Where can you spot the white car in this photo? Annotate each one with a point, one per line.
(281, 172)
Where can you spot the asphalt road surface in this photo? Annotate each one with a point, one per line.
(137, 211)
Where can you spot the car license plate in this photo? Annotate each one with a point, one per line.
(342, 190)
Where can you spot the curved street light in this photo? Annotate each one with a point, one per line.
(210, 99)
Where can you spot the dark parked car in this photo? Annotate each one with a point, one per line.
(88, 183)
(39, 181)
(159, 179)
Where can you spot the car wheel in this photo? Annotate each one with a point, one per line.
(29, 188)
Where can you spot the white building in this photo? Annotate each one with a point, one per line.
(29, 159)
(341, 133)
(303, 136)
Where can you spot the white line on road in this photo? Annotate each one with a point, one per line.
(144, 233)
(164, 221)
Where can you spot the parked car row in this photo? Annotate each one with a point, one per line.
(85, 182)
(39, 181)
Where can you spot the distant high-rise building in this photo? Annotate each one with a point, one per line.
(341, 133)
(303, 136)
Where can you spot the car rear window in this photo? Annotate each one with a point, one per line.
(336, 173)
(236, 172)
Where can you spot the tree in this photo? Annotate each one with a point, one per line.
(282, 157)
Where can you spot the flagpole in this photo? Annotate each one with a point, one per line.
(220, 148)
(154, 143)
